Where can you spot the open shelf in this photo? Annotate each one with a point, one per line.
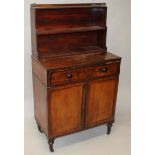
(69, 30)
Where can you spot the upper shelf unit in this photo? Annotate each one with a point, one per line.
(63, 27)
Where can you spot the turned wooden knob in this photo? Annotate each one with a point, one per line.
(104, 69)
(69, 75)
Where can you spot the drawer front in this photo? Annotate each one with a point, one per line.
(78, 75)
(69, 76)
(104, 70)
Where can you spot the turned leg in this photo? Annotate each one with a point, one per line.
(51, 142)
(40, 129)
(109, 125)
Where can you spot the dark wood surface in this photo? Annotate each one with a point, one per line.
(54, 71)
(96, 57)
(82, 74)
(33, 33)
(75, 79)
(59, 6)
(39, 70)
(100, 101)
(66, 109)
(51, 45)
(69, 30)
(81, 25)
(74, 17)
(40, 106)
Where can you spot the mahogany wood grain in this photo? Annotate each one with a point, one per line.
(102, 38)
(101, 101)
(66, 109)
(79, 25)
(96, 57)
(69, 30)
(82, 74)
(81, 67)
(68, 6)
(75, 79)
(74, 17)
(33, 34)
(39, 70)
(70, 52)
(66, 77)
(56, 44)
(104, 70)
(40, 104)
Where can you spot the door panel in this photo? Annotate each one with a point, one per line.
(66, 109)
(101, 101)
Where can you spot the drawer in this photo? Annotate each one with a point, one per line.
(82, 74)
(69, 76)
(104, 70)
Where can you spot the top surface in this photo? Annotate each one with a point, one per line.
(57, 6)
(76, 61)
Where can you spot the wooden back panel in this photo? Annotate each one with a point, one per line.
(59, 29)
(73, 17)
(61, 43)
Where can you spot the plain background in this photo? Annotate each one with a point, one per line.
(94, 140)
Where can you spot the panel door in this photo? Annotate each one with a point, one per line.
(67, 109)
(101, 101)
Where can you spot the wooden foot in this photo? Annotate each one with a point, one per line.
(40, 129)
(51, 142)
(109, 125)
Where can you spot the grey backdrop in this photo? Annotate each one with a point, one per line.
(118, 42)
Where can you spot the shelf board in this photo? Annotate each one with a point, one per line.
(69, 30)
